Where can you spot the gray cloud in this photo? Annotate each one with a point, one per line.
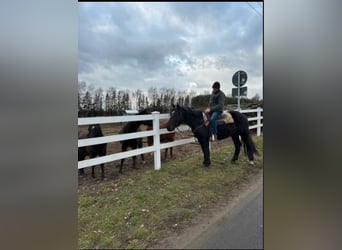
(139, 45)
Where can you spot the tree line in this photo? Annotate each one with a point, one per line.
(202, 101)
(97, 102)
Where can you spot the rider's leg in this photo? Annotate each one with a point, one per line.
(214, 116)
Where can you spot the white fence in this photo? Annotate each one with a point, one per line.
(155, 148)
(259, 118)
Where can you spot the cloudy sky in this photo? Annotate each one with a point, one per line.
(185, 46)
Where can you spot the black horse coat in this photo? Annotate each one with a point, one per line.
(93, 150)
(194, 119)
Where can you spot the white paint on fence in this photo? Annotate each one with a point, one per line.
(156, 141)
(157, 146)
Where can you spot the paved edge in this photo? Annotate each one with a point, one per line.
(210, 216)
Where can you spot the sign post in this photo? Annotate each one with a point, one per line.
(239, 84)
(243, 91)
(239, 79)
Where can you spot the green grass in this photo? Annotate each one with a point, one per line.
(139, 210)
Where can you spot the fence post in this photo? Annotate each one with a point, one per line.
(258, 121)
(156, 140)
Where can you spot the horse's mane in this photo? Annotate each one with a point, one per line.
(193, 111)
(133, 126)
(192, 117)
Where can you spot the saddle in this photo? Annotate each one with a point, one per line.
(225, 118)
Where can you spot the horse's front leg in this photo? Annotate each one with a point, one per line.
(102, 171)
(134, 158)
(237, 144)
(204, 142)
(81, 171)
(123, 149)
(143, 158)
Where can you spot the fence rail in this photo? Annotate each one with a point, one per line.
(155, 132)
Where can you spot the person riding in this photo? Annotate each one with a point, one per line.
(215, 109)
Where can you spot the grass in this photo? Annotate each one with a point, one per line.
(138, 210)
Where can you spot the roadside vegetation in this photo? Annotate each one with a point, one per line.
(141, 207)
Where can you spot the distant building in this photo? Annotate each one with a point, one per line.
(131, 112)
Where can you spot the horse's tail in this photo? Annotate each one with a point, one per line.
(242, 125)
(244, 148)
(247, 140)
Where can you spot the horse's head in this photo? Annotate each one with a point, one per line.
(145, 112)
(176, 118)
(94, 131)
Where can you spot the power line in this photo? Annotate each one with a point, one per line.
(261, 7)
(254, 9)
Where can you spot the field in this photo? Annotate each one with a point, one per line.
(140, 207)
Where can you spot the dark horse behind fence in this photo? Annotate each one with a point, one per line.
(170, 137)
(194, 119)
(93, 150)
(134, 143)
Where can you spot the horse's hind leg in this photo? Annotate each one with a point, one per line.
(121, 165)
(142, 155)
(237, 144)
(134, 158)
(93, 171)
(81, 157)
(102, 171)
(165, 153)
(246, 138)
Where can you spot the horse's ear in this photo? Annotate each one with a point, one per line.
(178, 106)
(173, 105)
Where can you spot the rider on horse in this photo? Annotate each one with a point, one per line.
(215, 109)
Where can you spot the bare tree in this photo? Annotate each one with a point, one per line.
(256, 98)
(98, 101)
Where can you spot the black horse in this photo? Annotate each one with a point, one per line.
(93, 150)
(194, 119)
(135, 143)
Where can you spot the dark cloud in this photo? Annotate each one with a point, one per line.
(123, 37)
(156, 43)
